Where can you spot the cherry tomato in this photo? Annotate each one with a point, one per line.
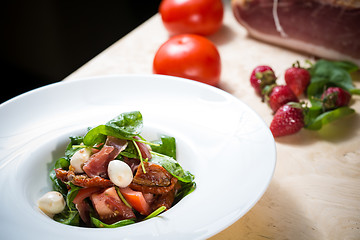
(189, 56)
(202, 17)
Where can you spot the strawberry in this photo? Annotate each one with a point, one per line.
(262, 76)
(297, 78)
(279, 95)
(288, 119)
(335, 97)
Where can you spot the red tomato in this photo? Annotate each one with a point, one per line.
(189, 56)
(202, 17)
(136, 200)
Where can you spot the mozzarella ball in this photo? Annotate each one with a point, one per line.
(79, 158)
(120, 173)
(52, 203)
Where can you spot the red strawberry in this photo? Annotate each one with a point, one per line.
(297, 79)
(280, 95)
(262, 76)
(287, 120)
(335, 97)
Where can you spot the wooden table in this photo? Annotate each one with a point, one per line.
(315, 191)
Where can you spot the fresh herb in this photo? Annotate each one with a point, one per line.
(68, 217)
(327, 117)
(122, 197)
(125, 126)
(172, 166)
(71, 149)
(325, 74)
(140, 156)
(186, 189)
(155, 213)
(57, 184)
(71, 196)
(121, 223)
(166, 145)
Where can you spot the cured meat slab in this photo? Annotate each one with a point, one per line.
(325, 28)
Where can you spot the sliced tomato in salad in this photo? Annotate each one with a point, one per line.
(110, 207)
(136, 200)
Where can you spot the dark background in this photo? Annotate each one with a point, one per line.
(42, 42)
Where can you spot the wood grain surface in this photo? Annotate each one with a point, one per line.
(315, 191)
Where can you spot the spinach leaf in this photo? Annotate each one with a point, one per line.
(186, 189)
(167, 146)
(124, 126)
(68, 217)
(328, 117)
(121, 223)
(71, 196)
(74, 140)
(172, 166)
(130, 151)
(127, 124)
(57, 184)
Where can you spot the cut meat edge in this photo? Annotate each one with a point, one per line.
(300, 46)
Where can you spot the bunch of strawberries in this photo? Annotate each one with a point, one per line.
(289, 112)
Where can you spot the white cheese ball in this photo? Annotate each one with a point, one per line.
(52, 203)
(120, 173)
(79, 158)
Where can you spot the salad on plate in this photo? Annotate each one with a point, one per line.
(112, 176)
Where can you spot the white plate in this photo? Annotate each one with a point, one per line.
(220, 140)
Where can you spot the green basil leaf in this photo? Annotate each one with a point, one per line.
(167, 146)
(173, 167)
(121, 223)
(328, 73)
(347, 66)
(328, 117)
(355, 91)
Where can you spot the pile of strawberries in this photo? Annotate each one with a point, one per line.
(289, 112)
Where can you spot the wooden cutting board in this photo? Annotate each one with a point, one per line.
(315, 191)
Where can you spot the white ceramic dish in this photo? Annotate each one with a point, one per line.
(220, 140)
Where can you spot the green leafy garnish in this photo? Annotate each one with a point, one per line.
(166, 146)
(328, 117)
(155, 213)
(125, 126)
(68, 217)
(140, 156)
(325, 74)
(172, 166)
(121, 223)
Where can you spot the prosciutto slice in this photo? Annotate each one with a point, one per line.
(98, 163)
(324, 28)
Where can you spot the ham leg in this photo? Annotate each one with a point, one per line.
(324, 28)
